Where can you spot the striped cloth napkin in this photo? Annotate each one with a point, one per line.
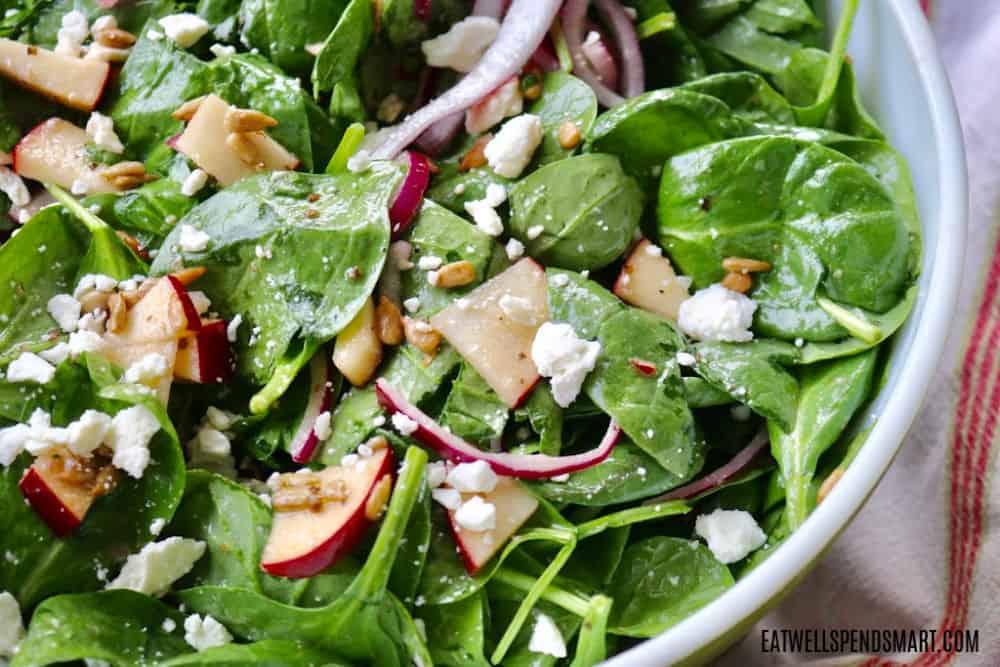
(924, 553)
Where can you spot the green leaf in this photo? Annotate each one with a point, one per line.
(565, 99)
(302, 289)
(702, 394)
(473, 411)
(269, 653)
(585, 225)
(546, 419)
(339, 55)
(409, 566)
(748, 96)
(287, 27)
(830, 393)
(457, 638)
(591, 647)
(661, 581)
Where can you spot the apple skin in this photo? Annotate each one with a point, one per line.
(342, 538)
(305, 440)
(205, 357)
(190, 312)
(45, 501)
(52, 152)
(54, 75)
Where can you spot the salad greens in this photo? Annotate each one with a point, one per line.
(360, 391)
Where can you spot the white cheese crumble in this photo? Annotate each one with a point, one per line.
(72, 34)
(731, 534)
(504, 102)
(158, 565)
(483, 211)
(131, 431)
(510, 151)
(564, 358)
(210, 449)
(194, 182)
(475, 477)
(321, 427)
(448, 498)
(404, 424)
(65, 310)
(437, 472)
(515, 250)
(29, 367)
(717, 313)
(233, 328)
(184, 29)
(79, 187)
(154, 35)
(412, 304)
(148, 370)
(101, 130)
(11, 625)
(156, 527)
(15, 189)
(686, 359)
(546, 638)
(205, 633)
(534, 232)
(88, 432)
(476, 515)
(429, 263)
(169, 625)
(222, 51)
(463, 45)
(193, 240)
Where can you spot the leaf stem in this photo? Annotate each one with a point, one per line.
(560, 597)
(91, 221)
(835, 62)
(285, 373)
(629, 516)
(562, 48)
(348, 146)
(856, 324)
(658, 23)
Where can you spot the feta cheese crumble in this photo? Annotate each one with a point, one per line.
(193, 240)
(233, 328)
(88, 432)
(504, 102)
(194, 182)
(510, 151)
(65, 310)
(15, 189)
(404, 424)
(29, 367)
(475, 477)
(184, 29)
(515, 250)
(72, 33)
(717, 313)
(483, 211)
(429, 263)
(463, 45)
(158, 565)
(321, 427)
(448, 498)
(210, 449)
(101, 130)
(546, 638)
(476, 515)
(148, 370)
(205, 633)
(437, 472)
(731, 534)
(412, 304)
(559, 354)
(131, 431)
(11, 625)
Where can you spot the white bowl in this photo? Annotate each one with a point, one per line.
(904, 85)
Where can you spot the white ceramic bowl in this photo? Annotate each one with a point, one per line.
(904, 85)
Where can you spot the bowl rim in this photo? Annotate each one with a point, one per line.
(710, 625)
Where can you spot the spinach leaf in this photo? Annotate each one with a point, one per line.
(30, 278)
(748, 96)
(459, 629)
(648, 129)
(503, 608)
(269, 653)
(122, 627)
(782, 16)
(820, 218)
(282, 29)
(149, 212)
(701, 394)
(587, 207)
(302, 289)
(44, 25)
(564, 99)
(830, 393)
(453, 188)
(339, 55)
(404, 581)
(661, 581)
(473, 411)
(671, 56)
(753, 373)
(437, 232)
(546, 419)
(354, 418)
(41, 565)
(222, 15)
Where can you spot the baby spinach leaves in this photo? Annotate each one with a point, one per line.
(583, 226)
(295, 254)
(459, 632)
(344, 46)
(282, 29)
(565, 99)
(473, 411)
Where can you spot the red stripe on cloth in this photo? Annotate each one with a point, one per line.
(926, 6)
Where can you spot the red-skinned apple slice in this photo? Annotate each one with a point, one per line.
(54, 152)
(204, 356)
(61, 487)
(358, 350)
(304, 541)
(497, 344)
(524, 466)
(514, 505)
(648, 281)
(305, 440)
(204, 141)
(75, 82)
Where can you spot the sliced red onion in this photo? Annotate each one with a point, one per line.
(720, 475)
(524, 466)
(574, 23)
(411, 194)
(545, 57)
(439, 136)
(172, 141)
(422, 10)
(621, 26)
(492, 8)
(523, 29)
(598, 54)
(305, 440)
(106, 4)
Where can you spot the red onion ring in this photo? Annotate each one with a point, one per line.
(627, 39)
(599, 56)
(492, 8)
(305, 440)
(422, 10)
(720, 475)
(545, 57)
(411, 194)
(439, 136)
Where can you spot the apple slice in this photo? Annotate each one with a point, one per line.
(61, 487)
(319, 517)
(53, 152)
(493, 326)
(75, 82)
(204, 356)
(204, 141)
(306, 439)
(648, 281)
(358, 350)
(514, 505)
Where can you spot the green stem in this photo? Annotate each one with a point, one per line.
(630, 516)
(92, 222)
(284, 374)
(831, 76)
(662, 22)
(856, 324)
(353, 136)
(560, 597)
(530, 599)
(562, 49)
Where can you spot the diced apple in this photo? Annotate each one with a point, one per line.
(514, 505)
(53, 152)
(493, 327)
(648, 281)
(204, 141)
(358, 350)
(204, 356)
(319, 517)
(61, 487)
(76, 82)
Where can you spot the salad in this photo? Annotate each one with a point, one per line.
(424, 332)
